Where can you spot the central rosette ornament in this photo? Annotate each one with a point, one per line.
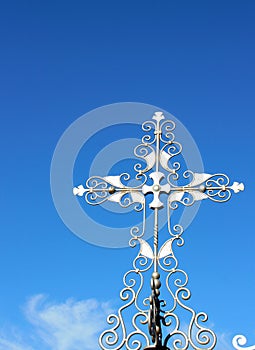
(156, 189)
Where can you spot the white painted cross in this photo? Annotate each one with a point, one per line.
(157, 150)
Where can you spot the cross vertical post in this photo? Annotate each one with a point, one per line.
(156, 188)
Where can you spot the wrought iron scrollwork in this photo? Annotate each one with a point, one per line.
(156, 323)
(239, 343)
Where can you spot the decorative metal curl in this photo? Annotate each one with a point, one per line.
(239, 341)
(166, 135)
(118, 336)
(147, 153)
(149, 126)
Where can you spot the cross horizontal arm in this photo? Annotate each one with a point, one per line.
(236, 187)
(110, 188)
(204, 186)
(80, 190)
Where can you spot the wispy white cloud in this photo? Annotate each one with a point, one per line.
(71, 325)
(68, 325)
(12, 340)
(6, 344)
(224, 341)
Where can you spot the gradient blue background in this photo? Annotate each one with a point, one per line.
(60, 59)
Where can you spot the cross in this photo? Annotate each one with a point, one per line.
(158, 150)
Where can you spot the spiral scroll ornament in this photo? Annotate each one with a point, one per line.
(239, 343)
(145, 320)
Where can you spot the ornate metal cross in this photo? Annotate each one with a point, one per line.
(157, 324)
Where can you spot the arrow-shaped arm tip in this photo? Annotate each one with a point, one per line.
(237, 187)
(79, 191)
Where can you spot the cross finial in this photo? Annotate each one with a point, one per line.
(159, 151)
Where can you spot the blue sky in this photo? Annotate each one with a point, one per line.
(61, 59)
